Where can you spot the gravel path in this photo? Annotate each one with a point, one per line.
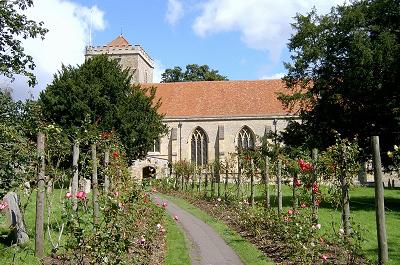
(206, 246)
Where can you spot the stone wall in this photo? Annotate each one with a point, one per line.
(133, 57)
(175, 145)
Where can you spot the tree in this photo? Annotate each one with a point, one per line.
(14, 27)
(192, 73)
(172, 75)
(345, 72)
(98, 97)
(16, 149)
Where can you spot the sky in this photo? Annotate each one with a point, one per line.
(242, 39)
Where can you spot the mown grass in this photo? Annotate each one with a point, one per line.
(362, 206)
(177, 252)
(247, 252)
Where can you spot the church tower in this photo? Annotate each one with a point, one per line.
(133, 57)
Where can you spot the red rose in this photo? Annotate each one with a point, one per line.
(315, 187)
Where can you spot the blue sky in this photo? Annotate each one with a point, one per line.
(244, 40)
(177, 44)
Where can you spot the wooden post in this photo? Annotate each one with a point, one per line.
(199, 188)
(218, 176)
(294, 199)
(176, 181)
(95, 186)
(75, 177)
(267, 196)
(279, 185)
(252, 183)
(39, 223)
(314, 180)
(106, 177)
(193, 180)
(226, 185)
(206, 183)
(212, 181)
(379, 202)
(239, 192)
(182, 181)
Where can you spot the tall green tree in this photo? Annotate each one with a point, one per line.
(98, 96)
(17, 150)
(345, 72)
(15, 26)
(192, 73)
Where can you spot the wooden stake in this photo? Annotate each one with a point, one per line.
(379, 202)
(267, 196)
(39, 223)
(279, 186)
(75, 177)
(95, 186)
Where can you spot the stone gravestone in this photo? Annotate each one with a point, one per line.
(86, 186)
(15, 220)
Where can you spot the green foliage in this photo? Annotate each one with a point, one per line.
(340, 162)
(127, 232)
(98, 97)
(16, 26)
(17, 151)
(183, 167)
(394, 156)
(192, 73)
(345, 73)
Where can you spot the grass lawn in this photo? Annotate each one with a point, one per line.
(247, 252)
(26, 253)
(362, 212)
(177, 251)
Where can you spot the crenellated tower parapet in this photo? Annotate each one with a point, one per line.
(129, 56)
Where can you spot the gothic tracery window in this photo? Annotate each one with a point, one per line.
(199, 147)
(245, 138)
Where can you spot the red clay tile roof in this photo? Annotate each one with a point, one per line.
(119, 41)
(220, 98)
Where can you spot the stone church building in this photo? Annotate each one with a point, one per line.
(206, 120)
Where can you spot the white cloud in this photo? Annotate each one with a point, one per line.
(263, 24)
(273, 76)
(174, 11)
(158, 70)
(68, 24)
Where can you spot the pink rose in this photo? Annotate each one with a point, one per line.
(81, 195)
(3, 205)
(68, 195)
(297, 182)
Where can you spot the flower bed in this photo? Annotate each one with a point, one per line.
(290, 238)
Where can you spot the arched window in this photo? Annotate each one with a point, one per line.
(199, 147)
(245, 138)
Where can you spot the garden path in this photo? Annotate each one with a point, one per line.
(206, 246)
